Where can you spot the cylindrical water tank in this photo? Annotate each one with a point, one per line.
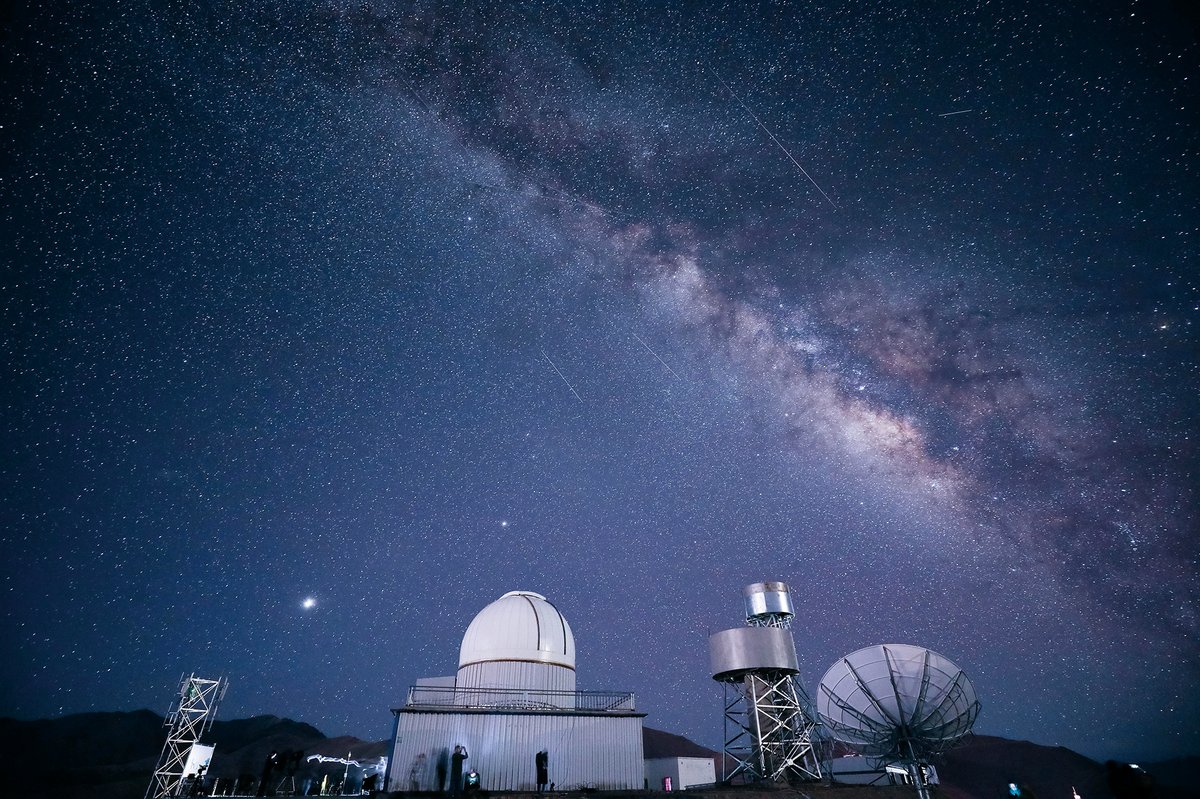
(768, 599)
(734, 652)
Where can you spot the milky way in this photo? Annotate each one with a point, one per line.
(402, 307)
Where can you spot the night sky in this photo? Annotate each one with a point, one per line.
(400, 307)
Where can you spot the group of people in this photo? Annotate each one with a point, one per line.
(465, 783)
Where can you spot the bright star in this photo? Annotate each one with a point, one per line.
(308, 603)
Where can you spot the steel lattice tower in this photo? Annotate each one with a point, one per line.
(192, 714)
(769, 726)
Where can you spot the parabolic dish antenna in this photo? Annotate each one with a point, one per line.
(897, 703)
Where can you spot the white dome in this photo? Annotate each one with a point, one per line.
(520, 626)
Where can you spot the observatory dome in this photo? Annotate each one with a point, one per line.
(520, 626)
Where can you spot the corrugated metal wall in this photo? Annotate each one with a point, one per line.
(603, 752)
(517, 674)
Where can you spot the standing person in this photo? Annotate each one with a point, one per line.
(268, 770)
(442, 767)
(198, 781)
(416, 775)
(542, 761)
(456, 769)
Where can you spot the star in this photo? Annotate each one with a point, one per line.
(659, 338)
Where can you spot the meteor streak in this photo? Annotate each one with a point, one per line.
(767, 130)
(655, 354)
(560, 374)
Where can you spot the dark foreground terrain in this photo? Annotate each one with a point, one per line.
(111, 756)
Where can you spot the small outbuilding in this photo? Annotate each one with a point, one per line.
(683, 773)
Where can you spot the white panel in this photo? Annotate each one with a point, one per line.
(684, 772)
(199, 755)
(696, 771)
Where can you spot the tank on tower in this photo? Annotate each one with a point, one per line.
(768, 727)
(768, 605)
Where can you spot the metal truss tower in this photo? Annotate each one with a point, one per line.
(769, 726)
(189, 718)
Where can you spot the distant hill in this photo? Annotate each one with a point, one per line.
(85, 740)
(1181, 773)
(656, 743)
(230, 736)
(983, 765)
(111, 756)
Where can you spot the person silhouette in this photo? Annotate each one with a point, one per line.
(542, 762)
(456, 769)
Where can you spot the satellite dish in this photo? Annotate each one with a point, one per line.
(897, 703)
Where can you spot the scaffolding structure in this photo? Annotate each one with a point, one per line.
(768, 736)
(768, 722)
(190, 717)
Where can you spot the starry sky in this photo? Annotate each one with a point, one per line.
(326, 323)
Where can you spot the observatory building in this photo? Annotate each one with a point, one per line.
(514, 711)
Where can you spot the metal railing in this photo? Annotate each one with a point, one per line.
(520, 699)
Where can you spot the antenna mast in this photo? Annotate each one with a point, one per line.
(190, 717)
